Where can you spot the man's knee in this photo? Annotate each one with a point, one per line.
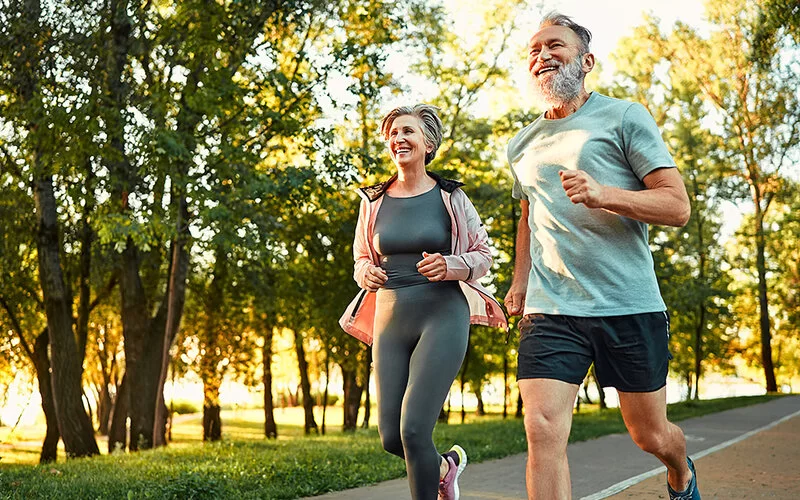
(654, 440)
(545, 431)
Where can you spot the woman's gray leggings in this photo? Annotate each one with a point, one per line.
(421, 335)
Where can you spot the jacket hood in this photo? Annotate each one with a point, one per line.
(376, 190)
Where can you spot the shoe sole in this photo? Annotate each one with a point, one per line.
(462, 464)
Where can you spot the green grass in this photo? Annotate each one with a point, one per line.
(246, 466)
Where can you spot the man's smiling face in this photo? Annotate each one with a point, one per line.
(556, 65)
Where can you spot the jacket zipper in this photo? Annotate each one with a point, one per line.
(362, 294)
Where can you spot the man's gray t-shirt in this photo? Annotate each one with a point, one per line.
(588, 262)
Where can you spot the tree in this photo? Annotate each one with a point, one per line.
(749, 105)
(782, 272)
(473, 151)
(687, 260)
(784, 267)
(223, 108)
(778, 21)
(41, 127)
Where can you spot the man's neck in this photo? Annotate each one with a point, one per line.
(567, 108)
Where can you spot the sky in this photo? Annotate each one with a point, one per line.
(609, 20)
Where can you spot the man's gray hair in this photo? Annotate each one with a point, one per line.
(431, 125)
(556, 19)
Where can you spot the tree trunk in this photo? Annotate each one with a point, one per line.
(308, 401)
(73, 422)
(325, 394)
(212, 423)
(766, 334)
(352, 399)
(103, 410)
(118, 430)
(145, 339)
(143, 361)
(586, 391)
(513, 235)
(462, 383)
(84, 294)
(145, 429)
(600, 391)
(481, 410)
(698, 349)
(506, 389)
(270, 429)
(210, 361)
(105, 404)
(88, 405)
(175, 300)
(42, 363)
(701, 323)
(367, 395)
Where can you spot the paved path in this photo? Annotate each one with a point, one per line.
(751, 452)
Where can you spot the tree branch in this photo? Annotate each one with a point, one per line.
(16, 327)
(104, 293)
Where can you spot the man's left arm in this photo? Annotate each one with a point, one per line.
(664, 201)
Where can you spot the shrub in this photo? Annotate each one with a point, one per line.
(182, 407)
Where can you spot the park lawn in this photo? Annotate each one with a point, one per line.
(245, 466)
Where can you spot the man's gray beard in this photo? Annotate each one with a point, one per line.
(563, 87)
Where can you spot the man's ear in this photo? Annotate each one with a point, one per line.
(588, 62)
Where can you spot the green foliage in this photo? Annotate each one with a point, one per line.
(782, 257)
(729, 123)
(190, 486)
(775, 18)
(183, 407)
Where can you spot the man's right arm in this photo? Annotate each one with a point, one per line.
(515, 298)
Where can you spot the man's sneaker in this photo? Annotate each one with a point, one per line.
(691, 492)
(448, 487)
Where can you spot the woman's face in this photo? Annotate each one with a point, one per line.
(407, 142)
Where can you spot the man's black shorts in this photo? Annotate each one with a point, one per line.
(630, 352)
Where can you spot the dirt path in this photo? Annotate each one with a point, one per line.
(765, 465)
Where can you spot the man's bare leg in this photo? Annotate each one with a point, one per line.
(645, 415)
(548, 418)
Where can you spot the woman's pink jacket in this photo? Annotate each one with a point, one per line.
(470, 259)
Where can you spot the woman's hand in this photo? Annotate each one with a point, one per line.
(374, 278)
(432, 266)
